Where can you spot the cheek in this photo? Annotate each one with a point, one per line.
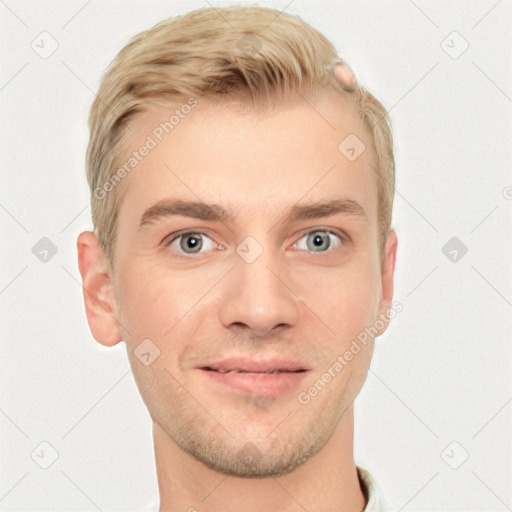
(149, 304)
(347, 300)
(156, 303)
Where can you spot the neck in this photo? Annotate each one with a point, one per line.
(327, 481)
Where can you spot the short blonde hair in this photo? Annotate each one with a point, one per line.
(251, 52)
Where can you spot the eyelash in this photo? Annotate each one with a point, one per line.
(343, 238)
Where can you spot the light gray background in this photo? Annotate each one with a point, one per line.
(441, 373)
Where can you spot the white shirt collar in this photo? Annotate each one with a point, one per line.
(373, 495)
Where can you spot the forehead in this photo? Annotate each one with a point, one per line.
(250, 161)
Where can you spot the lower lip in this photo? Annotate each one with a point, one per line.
(261, 384)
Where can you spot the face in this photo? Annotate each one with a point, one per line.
(262, 281)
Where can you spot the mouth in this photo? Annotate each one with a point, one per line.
(269, 378)
(267, 372)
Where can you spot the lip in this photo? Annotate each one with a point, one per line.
(256, 365)
(250, 376)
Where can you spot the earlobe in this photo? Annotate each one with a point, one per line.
(387, 276)
(96, 286)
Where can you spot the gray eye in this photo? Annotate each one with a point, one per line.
(319, 241)
(191, 243)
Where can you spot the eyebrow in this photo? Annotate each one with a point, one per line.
(212, 212)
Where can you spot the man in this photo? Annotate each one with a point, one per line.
(241, 189)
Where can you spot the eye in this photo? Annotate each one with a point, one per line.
(191, 242)
(319, 241)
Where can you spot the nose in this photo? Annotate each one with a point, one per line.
(257, 298)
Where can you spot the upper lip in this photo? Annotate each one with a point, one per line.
(256, 365)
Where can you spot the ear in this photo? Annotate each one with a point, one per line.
(387, 275)
(96, 286)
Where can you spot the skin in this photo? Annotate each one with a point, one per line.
(291, 301)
